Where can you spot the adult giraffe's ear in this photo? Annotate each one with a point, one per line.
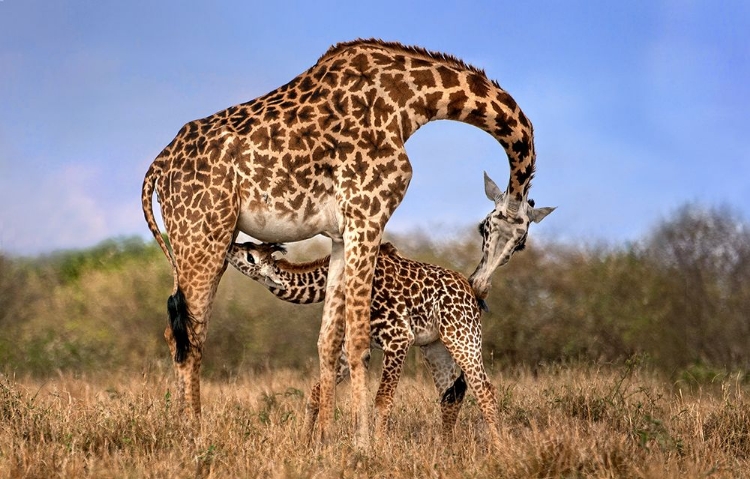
(494, 193)
(538, 214)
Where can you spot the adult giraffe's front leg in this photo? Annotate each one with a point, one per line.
(370, 192)
(361, 246)
(346, 312)
(321, 404)
(313, 402)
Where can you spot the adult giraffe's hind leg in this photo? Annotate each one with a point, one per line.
(200, 237)
(199, 292)
(329, 346)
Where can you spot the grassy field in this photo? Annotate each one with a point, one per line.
(677, 298)
(578, 421)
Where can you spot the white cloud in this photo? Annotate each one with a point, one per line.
(54, 210)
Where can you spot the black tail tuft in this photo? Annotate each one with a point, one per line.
(179, 321)
(483, 305)
(456, 392)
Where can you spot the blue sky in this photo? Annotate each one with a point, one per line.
(638, 107)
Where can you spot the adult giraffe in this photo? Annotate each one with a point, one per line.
(323, 154)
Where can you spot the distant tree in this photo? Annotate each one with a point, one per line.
(6, 286)
(706, 255)
(681, 295)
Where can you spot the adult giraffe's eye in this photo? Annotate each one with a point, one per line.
(250, 258)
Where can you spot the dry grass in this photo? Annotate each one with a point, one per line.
(581, 421)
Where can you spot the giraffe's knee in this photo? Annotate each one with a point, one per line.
(456, 392)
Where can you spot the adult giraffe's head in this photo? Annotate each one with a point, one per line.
(503, 233)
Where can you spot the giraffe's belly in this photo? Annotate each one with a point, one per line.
(282, 225)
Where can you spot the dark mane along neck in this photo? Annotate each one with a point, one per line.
(396, 47)
(447, 88)
(387, 248)
(301, 268)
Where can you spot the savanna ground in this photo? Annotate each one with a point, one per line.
(558, 421)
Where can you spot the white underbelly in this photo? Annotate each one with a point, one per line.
(270, 226)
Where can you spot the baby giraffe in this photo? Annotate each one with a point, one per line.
(412, 303)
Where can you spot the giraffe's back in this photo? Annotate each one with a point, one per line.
(426, 294)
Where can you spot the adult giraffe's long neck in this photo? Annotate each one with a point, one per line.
(469, 97)
(305, 282)
(422, 86)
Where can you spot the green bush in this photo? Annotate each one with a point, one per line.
(679, 296)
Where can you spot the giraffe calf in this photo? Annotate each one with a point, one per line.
(413, 303)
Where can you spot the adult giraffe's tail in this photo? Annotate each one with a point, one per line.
(179, 319)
